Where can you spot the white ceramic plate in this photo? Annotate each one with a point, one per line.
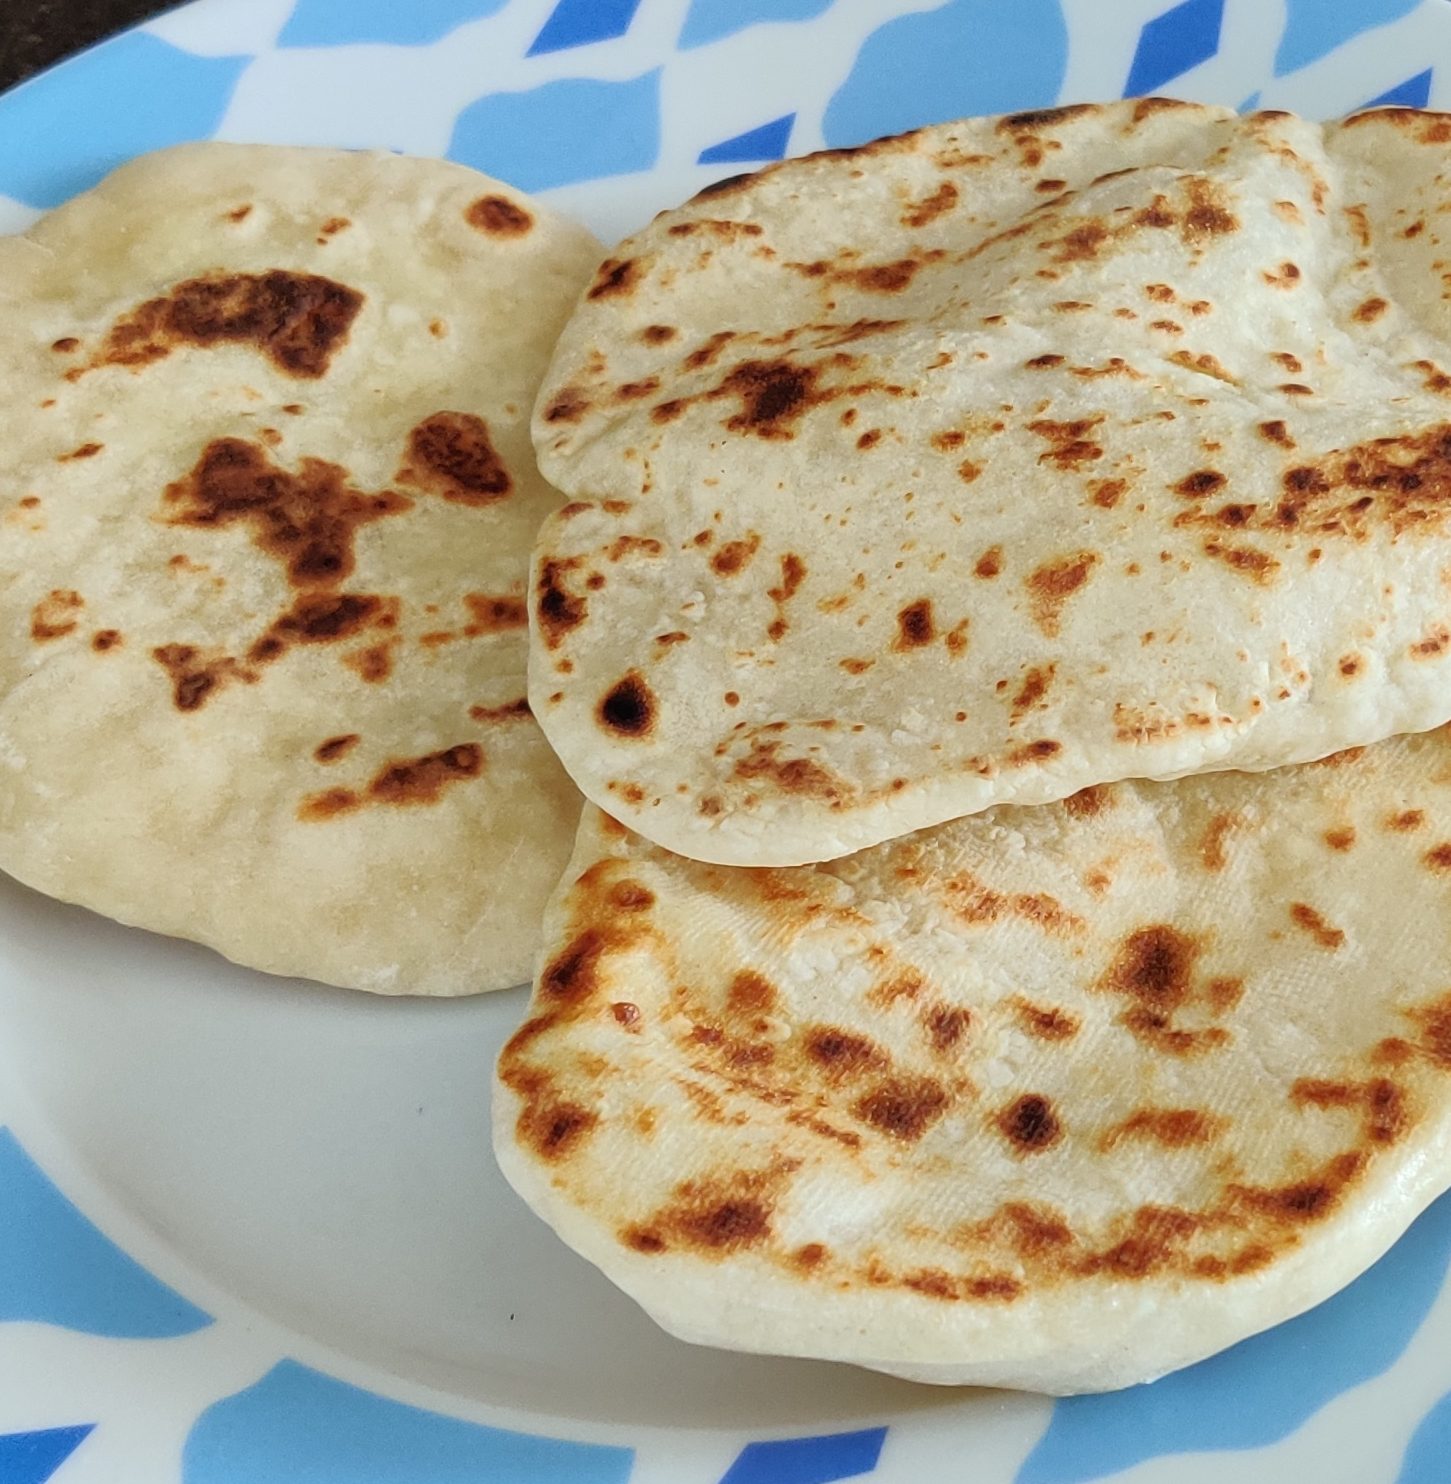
(250, 1230)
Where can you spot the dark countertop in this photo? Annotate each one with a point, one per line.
(35, 33)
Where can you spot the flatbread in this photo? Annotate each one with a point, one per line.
(267, 496)
(997, 460)
(1058, 1098)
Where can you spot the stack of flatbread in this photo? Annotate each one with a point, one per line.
(994, 594)
(1031, 461)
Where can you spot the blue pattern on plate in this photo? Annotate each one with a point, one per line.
(1428, 1456)
(711, 20)
(32, 1457)
(56, 1268)
(298, 1425)
(561, 132)
(1414, 92)
(347, 22)
(843, 1455)
(580, 22)
(1172, 43)
(1262, 1389)
(1314, 28)
(765, 142)
(982, 56)
(135, 93)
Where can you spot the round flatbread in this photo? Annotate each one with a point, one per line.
(1058, 1098)
(997, 460)
(267, 496)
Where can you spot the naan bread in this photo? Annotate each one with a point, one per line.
(1058, 1098)
(267, 496)
(1000, 459)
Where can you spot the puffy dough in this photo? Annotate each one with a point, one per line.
(996, 460)
(1058, 1098)
(267, 495)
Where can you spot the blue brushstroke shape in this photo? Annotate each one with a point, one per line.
(32, 1457)
(842, 1455)
(350, 22)
(581, 22)
(713, 20)
(1265, 1387)
(562, 132)
(1172, 43)
(1251, 103)
(69, 127)
(1414, 92)
(296, 1426)
(1314, 28)
(966, 57)
(1428, 1455)
(766, 142)
(56, 1268)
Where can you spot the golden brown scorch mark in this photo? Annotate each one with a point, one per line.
(1089, 802)
(1071, 444)
(798, 775)
(930, 207)
(56, 615)
(628, 708)
(1326, 934)
(915, 626)
(298, 321)
(1051, 585)
(972, 901)
(323, 618)
(557, 609)
(733, 557)
(793, 574)
(616, 278)
(1030, 1124)
(1400, 484)
(903, 1108)
(196, 675)
(774, 395)
(875, 278)
(333, 749)
(498, 216)
(450, 454)
(1154, 969)
(313, 618)
(1174, 1128)
(399, 782)
(1258, 566)
(374, 663)
(515, 710)
(1044, 1022)
(1211, 847)
(494, 613)
(306, 521)
(712, 1216)
(1033, 690)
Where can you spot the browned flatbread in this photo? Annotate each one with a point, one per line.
(268, 497)
(1000, 459)
(1058, 1098)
